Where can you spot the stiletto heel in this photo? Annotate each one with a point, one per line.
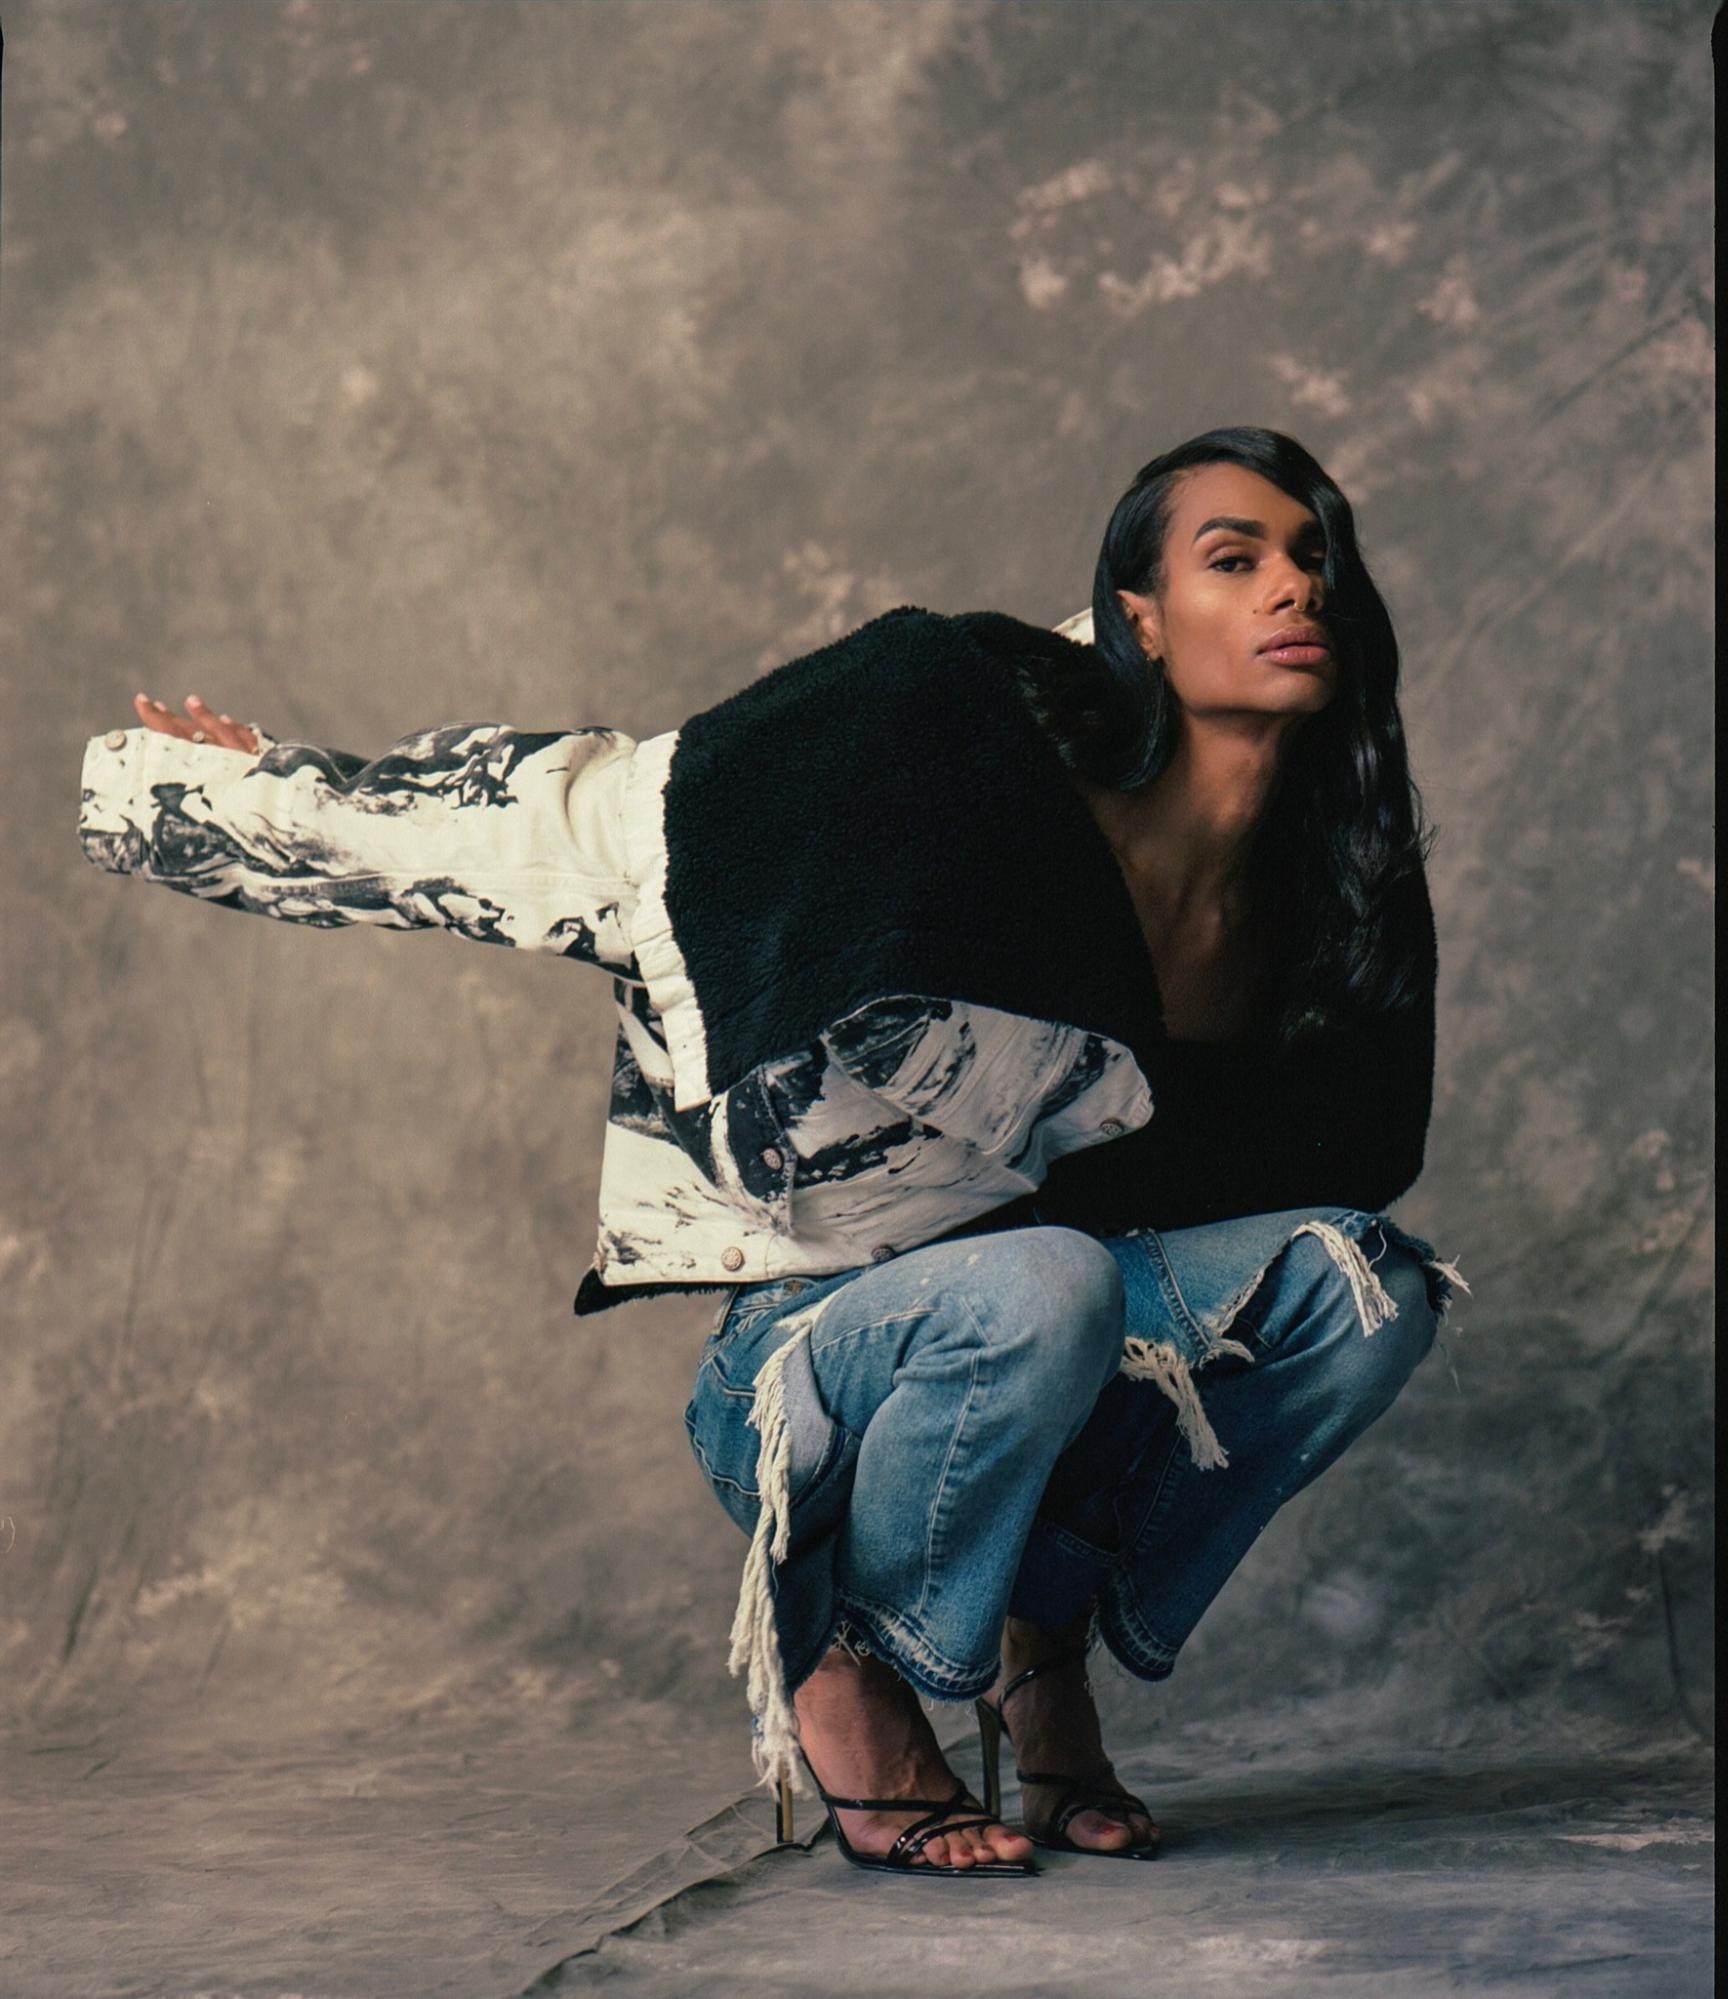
(902, 1856)
(1077, 1795)
(990, 1752)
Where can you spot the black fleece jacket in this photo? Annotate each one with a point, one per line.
(942, 847)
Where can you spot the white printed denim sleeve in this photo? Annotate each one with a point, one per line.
(502, 835)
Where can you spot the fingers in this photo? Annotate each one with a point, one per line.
(204, 725)
(155, 716)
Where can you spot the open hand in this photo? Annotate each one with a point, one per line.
(204, 727)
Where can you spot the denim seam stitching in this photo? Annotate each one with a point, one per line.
(719, 1477)
(1076, 1544)
(948, 1459)
(884, 1623)
(1168, 1475)
(727, 1387)
(870, 1326)
(1153, 1659)
(1171, 1289)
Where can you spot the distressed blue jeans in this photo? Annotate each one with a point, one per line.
(1036, 1422)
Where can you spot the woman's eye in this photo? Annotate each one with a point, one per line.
(1319, 561)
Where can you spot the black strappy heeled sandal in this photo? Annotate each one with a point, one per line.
(901, 1857)
(1077, 1796)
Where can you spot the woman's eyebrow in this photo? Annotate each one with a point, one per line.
(1308, 529)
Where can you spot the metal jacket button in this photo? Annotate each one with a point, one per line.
(115, 739)
(1112, 1127)
(882, 1252)
(773, 1158)
(732, 1256)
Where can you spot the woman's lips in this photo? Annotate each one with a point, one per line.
(1297, 655)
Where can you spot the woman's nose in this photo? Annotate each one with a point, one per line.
(1300, 589)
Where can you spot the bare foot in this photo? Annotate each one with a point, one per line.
(1054, 1726)
(866, 1737)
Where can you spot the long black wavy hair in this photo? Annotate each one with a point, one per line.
(1335, 871)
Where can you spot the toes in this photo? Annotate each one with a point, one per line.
(1094, 1829)
(974, 1846)
(951, 1850)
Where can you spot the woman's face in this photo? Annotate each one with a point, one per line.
(1228, 589)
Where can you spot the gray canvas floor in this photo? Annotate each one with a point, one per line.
(1305, 1874)
(433, 1864)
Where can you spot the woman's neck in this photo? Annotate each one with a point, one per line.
(1185, 839)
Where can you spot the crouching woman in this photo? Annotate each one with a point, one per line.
(964, 1464)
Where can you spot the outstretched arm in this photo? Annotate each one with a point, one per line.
(502, 835)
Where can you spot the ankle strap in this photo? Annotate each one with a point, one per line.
(1077, 1656)
(935, 1807)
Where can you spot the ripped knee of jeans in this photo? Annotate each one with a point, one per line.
(1395, 1305)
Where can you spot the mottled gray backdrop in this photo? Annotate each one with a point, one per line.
(368, 367)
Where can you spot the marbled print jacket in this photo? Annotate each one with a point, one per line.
(875, 970)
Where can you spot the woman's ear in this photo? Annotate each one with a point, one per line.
(1142, 615)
